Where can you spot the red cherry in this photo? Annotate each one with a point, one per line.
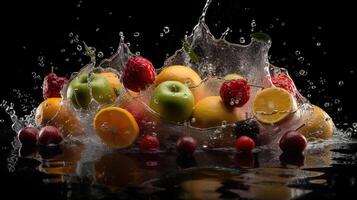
(292, 141)
(186, 145)
(285, 82)
(245, 143)
(235, 92)
(50, 135)
(52, 85)
(149, 142)
(28, 135)
(138, 74)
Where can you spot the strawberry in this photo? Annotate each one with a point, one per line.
(52, 85)
(235, 93)
(138, 74)
(285, 82)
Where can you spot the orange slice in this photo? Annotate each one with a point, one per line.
(273, 105)
(116, 127)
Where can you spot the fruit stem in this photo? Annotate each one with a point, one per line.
(257, 86)
(52, 69)
(302, 125)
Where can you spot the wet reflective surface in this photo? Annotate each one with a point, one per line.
(74, 171)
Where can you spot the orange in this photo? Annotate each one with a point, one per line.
(54, 111)
(184, 75)
(317, 125)
(273, 105)
(211, 112)
(114, 81)
(116, 127)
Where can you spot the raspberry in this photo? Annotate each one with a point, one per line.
(235, 93)
(52, 85)
(138, 74)
(285, 82)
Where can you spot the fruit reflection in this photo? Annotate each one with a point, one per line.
(201, 189)
(61, 160)
(117, 171)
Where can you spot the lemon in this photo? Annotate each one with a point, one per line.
(318, 124)
(273, 105)
(211, 112)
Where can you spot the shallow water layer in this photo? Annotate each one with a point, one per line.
(78, 171)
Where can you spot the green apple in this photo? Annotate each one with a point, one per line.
(232, 77)
(173, 100)
(80, 89)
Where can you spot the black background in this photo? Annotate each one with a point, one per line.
(41, 28)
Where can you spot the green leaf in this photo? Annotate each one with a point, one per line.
(263, 37)
(188, 49)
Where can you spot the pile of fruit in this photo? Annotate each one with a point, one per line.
(129, 106)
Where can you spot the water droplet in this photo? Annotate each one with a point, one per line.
(137, 53)
(2, 120)
(308, 95)
(337, 101)
(303, 72)
(318, 44)
(340, 83)
(301, 59)
(166, 29)
(100, 54)
(224, 124)
(354, 125)
(297, 52)
(327, 104)
(67, 59)
(339, 109)
(110, 13)
(97, 29)
(282, 23)
(193, 120)
(70, 34)
(63, 50)
(24, 47)
(79, 47)
(253, 23)
(242, 40)
(156, 101)
(136, 34)
(161, 35)
(271, 26)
